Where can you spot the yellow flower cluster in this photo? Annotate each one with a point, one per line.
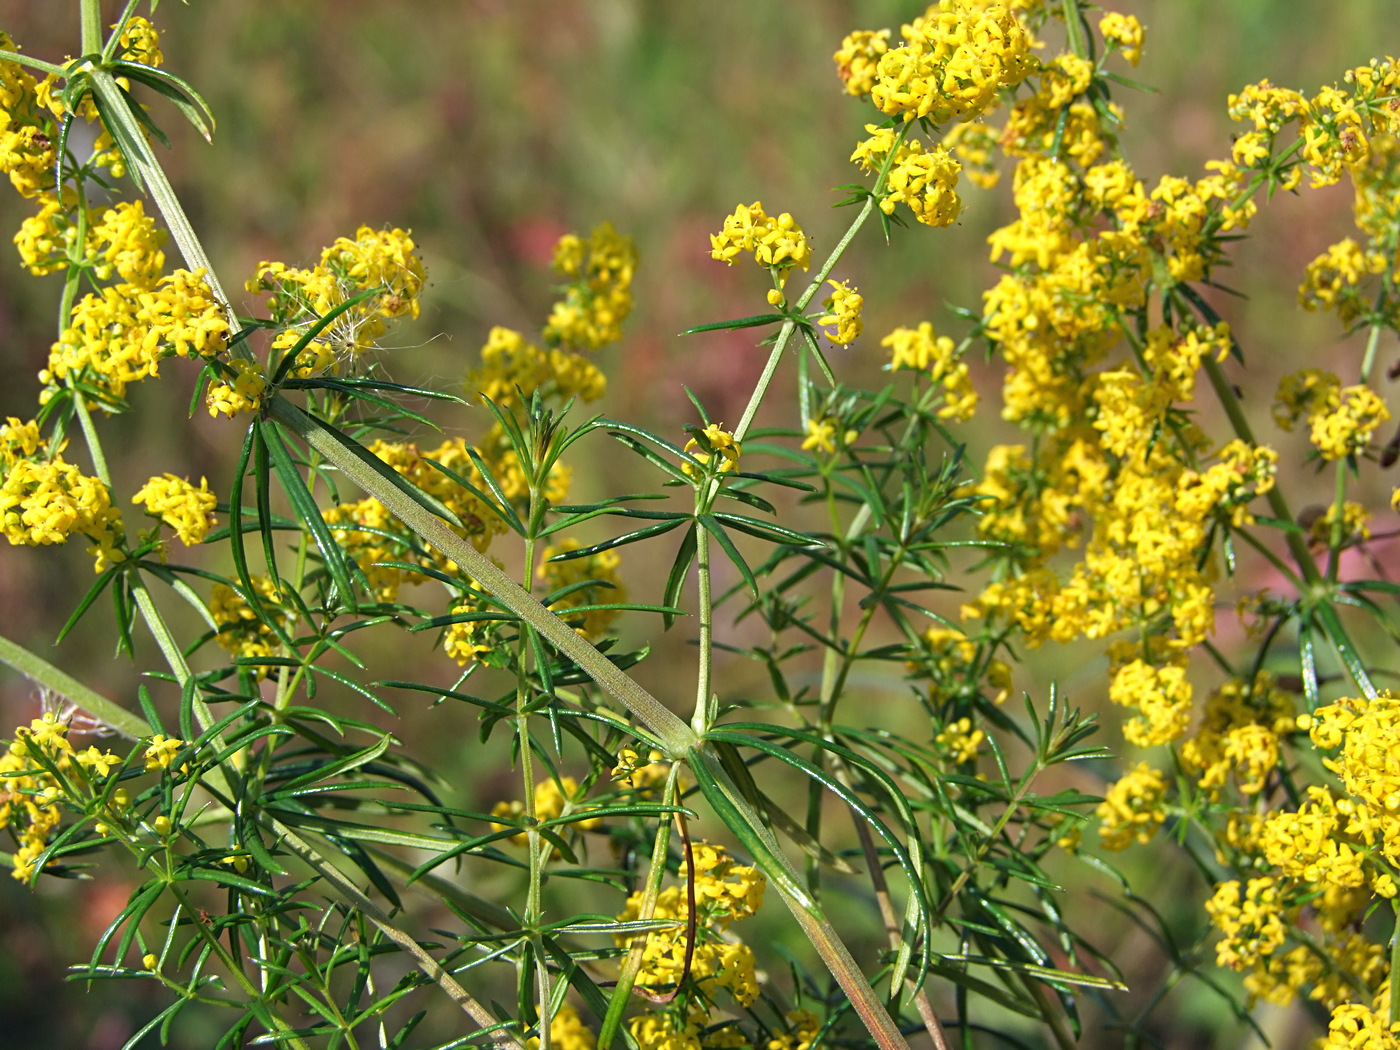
(1239, 736)
(1333, 280)
(553, 799)
(240, 392)
(370, 534)
(858, 59)
(642, 778)
(843, 314)
(120, 334)
(926, 181)
(379, 264)
(1160, 693)
(590, 580)
(1322, 864)
(777, 243)
(1254, 922)
(512, 368)
(724, 893)
(956, 664)
(1342, 420)
(44, 499)
(921, 350)
(37, 772)
(959, 741)
(28, 131)
(1124, 32)
(598, 297)
(566, 1032)
(953, 62)
(176, 502)
(466, 640)
(1132, 809)
(241, 632)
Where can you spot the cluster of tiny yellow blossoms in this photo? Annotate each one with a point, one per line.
(959, 741)
(724, 892)
(1132, 809)
(553, 799)
(955, 663)
(717, 442)
(954, 61)
(1341, 420)
(1240, 736)
(380, 265)
(177, 503)
(598, 297)
(920, 350)
(370, 534)
(590, 581)
(242, 632)
(777, 243)
(44, 499)
(239, 392)
(121, 333)
(843, 314)
(38, 773)
(1319, 866)
(1124, 32)
(28, 130)
(512, 368)
(1351, 526)
(469, 638)
(925, 180)
(1334, 280)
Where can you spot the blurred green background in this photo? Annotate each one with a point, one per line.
(490, 127)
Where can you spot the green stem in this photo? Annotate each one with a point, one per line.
(1335, 535)
(632, 966)
(1395, 962)
(90, 18)
(704, 714)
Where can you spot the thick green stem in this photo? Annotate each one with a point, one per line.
(704, 714)
(90, 19)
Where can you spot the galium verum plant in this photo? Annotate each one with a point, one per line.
(278, 827)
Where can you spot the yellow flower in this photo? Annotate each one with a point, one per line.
(1124, 31)
(552, 801)
(921, 350)
(953, 62)
(162, 751)
(242, 394)
(777, 243)
(721, 442)
(858, 59)
(843, 314)
(821, 435)
(1132, 808)
(186, 509)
